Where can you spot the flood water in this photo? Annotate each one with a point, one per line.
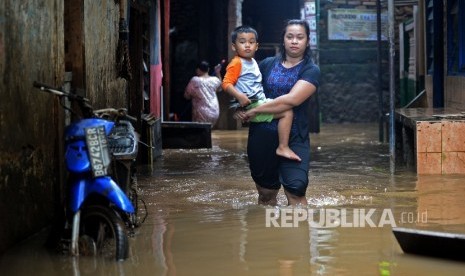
(203, 218)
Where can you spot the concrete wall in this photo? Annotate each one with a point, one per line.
(454, 95)
(33, 35)
(349, 74)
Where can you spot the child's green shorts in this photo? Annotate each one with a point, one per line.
(261, 117)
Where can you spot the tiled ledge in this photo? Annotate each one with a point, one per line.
(438, 139)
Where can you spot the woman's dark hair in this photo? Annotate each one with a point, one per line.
(204, 66)
(303, 23)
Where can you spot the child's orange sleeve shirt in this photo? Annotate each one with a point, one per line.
(233, 71)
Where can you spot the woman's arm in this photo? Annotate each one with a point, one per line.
(189, 89)
(301, 91)
(218, 75)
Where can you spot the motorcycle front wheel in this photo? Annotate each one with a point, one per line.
(102, 233)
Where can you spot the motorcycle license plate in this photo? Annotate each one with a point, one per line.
(97, 146)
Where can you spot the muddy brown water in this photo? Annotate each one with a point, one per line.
(203, 218)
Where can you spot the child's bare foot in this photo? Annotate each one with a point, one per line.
(286, 152)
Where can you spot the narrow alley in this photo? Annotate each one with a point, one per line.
(203, 218)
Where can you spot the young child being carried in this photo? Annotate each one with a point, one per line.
(243, 81)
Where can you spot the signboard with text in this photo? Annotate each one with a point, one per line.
(352, 24)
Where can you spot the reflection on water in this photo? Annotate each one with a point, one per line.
(442, 198)
(203, 218)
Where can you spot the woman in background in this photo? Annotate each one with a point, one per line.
(202, 90)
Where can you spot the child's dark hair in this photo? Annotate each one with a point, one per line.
(243, 29)
(204, 66)
(302, 23)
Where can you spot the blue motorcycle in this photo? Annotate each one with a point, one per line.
(100, 149)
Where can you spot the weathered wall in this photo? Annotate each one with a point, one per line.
(429, 89)
(349, 74)
(31, 48)
(104, 88)
(454, 92)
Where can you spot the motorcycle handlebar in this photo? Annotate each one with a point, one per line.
(84, 102)
(42, 86)
(48, 88)
(59, 92)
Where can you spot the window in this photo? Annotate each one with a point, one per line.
(456, 37)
